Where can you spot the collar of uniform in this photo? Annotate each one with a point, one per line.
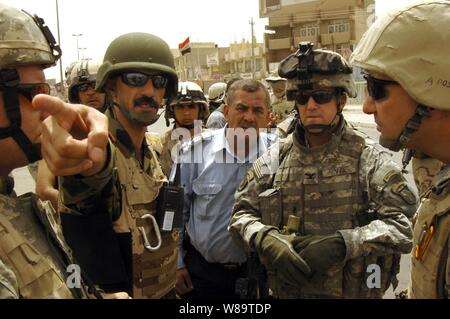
(336, 137)
(220, 143)
(121, 135)
(441, 181)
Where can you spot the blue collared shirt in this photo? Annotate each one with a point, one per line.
(209, 187)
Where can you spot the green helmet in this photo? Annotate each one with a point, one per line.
(25, 40)
(311, 69)
(138, 51)
(411, 46)
(84, 71)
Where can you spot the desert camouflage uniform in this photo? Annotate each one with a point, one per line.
(424, 170)
(430, 259)
(347, 185)
(8, 283)
(281, 107)
(127, 190)
(37, 254)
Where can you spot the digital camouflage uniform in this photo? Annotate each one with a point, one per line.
(422, 71)
(348, 185)
(347, 192)
(8, 283)
(127, 190)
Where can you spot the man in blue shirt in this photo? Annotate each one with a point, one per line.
(212, 166)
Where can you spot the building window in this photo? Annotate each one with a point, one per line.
(339, 26)
(307, 31)
(271, 3)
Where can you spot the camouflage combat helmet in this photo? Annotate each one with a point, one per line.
(138, 51)
(310, 68)
(25, 40)
(188, 93)
(422, 65)
(84, 71)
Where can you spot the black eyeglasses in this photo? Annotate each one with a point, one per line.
(86, 86)
(29, 91)
(137, 79)
(321, 97)
(375, 87)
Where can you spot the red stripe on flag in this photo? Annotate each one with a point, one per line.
(182, 45)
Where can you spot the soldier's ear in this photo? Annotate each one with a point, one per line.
(226, 110)
(341, 103)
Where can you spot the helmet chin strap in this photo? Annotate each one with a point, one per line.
(411, 126)
(9, 79)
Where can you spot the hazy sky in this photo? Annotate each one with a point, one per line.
(219, 21)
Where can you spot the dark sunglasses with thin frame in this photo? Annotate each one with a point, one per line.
(321, 97)
(29, 91)
(375, 87)
(137, 79)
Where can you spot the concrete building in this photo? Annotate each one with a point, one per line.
(336, 25)
(206, 63)
(239, 58)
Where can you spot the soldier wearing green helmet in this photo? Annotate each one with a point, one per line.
(127, 247)
(323, 204)
(405, 58)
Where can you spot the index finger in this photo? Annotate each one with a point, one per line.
(65, 114)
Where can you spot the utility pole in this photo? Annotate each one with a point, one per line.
(82, 52)
(252, 23)
(78, 47)
(59, 42)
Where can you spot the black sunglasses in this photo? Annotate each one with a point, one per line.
(375, 87)
(321, 97)
(29, 91)
(86, 86)
(137, 79)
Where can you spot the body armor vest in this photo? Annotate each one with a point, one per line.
(153, 271)
(430, 255)
(321, 187)
(27, 249)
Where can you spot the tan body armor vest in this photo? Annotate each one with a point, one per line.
(321, 187)
(153, 271)
(37, 266)
(430, 256)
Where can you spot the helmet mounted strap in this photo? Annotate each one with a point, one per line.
(9, 80)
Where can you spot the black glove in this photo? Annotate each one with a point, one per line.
(277, 254)
(320, 252)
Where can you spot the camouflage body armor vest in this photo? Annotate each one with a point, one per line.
(153, 271)
(39, 268)
(430, 256)
(321, 186)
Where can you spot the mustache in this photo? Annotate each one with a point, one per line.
(146, 100)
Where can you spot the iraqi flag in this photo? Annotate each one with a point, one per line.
(185, 46)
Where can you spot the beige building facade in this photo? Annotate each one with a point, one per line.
(336, 25)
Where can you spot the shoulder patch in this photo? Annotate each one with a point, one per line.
(247, 179)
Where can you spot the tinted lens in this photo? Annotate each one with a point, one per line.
(375, 87)
(159, 81)
(86, 86)
(139, 79)
(321, 97)
(29, 91)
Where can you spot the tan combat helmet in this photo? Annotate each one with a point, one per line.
(188, 93)
(84, 71)
(411, 46)
(24, 40)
